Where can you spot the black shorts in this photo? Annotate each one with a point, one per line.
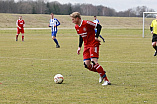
(154, 38)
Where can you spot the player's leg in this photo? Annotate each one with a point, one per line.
(17, 35)
(102, 38)
(95, 67)
(22, 32)
(155, 47)
(94, 58)
(22, 37)
(88, 65)
(154, 40)
(101, 72)
(55, 40)
(87, 60)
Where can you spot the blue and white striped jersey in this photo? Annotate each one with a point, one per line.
(96, 21)
(54, 22)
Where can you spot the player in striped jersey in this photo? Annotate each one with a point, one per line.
(153, 29)
(53, 24)
(97, 21)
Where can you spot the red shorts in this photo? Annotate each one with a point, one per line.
(91, 52)
(20, 30)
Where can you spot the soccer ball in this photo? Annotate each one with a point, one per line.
(58, 78)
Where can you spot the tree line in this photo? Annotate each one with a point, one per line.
(44, 7)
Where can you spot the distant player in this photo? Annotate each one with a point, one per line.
(153, 29)
(86, 32)
(54, 23)
(20, 23)
(97, 21)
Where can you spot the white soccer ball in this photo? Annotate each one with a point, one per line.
(58, 78)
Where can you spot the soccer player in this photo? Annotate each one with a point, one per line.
(153, 29)
(97, 21)
(54, 23)
(20, 23)
(86, 32)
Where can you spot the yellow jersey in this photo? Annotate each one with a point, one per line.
(154, 25)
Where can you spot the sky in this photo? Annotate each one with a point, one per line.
(118, 5)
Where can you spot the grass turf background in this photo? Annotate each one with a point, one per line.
(27, 69)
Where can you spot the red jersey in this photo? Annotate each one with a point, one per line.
(20, 23)
(87, 32)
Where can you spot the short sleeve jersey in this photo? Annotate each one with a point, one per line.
(154, 25)
(54, 22)
(20, 23)
(96, 21)
(87, 32)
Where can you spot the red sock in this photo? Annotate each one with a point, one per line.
(101, 71)
(106, 79)
(17, 37)
(22, 37)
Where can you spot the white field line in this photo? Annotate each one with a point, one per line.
(31, 28)
(76, 60)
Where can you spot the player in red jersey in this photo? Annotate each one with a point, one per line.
(86, 32)
(20, 27)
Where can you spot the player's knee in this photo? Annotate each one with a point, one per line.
(85, 65)
(154, 44)
(53, 37)
(94, 60)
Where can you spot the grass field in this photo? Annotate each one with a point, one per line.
(27, 69)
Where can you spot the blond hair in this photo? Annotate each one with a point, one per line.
(75, 15)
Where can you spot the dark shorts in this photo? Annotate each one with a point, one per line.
(54, 33)
(154, 38)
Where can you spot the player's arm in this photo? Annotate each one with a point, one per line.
(17, 24)
(98, 27)
(98, 32)
(151, 28)
(23, 24)
(80, 44)
(58, 23)
(98, 22)
(49, 24)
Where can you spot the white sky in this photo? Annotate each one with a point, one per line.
(118, 5)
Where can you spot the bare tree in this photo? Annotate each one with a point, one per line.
(44, 7)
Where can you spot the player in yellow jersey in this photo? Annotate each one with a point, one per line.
(153, 29)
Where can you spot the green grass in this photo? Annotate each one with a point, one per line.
(27, 69)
